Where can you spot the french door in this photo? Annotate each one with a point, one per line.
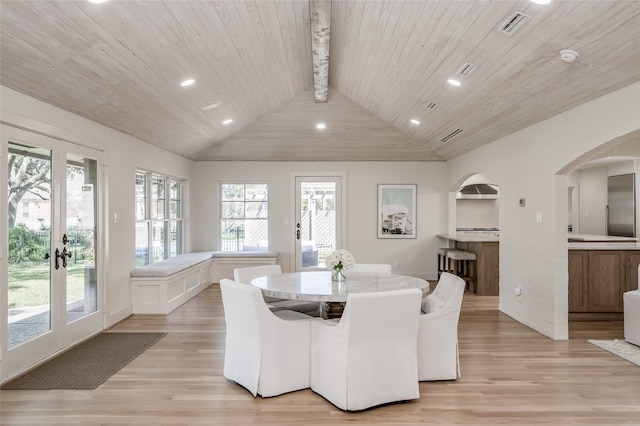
(320, 213)
(51, 289)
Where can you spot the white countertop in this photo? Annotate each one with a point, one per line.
(602, 242)
(464, 237)
(604, 246)
(600, 238)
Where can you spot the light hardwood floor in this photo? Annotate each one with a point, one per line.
(510, 375)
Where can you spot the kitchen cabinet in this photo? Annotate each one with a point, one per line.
(631, 272)
(578, 281)
(606, 280)
(487, 266)
(599, 278)
(487, 250)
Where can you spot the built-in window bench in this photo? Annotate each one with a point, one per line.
(161, 287)
(224, 262)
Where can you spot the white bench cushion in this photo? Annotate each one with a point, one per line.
(172, 265)
(243, 254)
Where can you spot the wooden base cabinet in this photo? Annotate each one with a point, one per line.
(599, 278)
(487, 266)
(606, 280)
(632, 262)
(578, 281)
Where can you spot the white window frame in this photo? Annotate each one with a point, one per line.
(222, 219)
(165, 220)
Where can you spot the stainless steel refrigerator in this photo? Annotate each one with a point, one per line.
(621, 209)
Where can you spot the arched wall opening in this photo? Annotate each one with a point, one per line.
(534, 202)
(476, 211)
(474, 218)
(584, 182)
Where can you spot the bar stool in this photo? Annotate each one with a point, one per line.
(463, 264)
(443, 263)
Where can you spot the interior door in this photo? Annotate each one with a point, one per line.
(319, 215)
(50, 279)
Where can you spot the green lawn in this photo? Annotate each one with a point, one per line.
(29, 284)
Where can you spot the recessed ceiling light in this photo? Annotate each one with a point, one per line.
(98, 1)
(210, 105)
(454, 82)
(227, 121)
(414, 121)
(187, 82)
(541, 1)
(321, 126)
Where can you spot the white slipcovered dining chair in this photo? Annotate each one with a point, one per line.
(247, 274)
(369, 357)
(438, 357)
(380, 268)
(266, 352)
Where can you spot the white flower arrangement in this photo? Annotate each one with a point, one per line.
(339, 260)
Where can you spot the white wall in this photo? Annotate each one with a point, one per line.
(122, 155)
(526, 165)
(415, 256)
(477, 214)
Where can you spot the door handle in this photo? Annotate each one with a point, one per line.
(298, 230)
(64, 254)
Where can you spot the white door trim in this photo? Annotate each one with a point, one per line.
(341, 215)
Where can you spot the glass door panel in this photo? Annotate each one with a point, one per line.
(81, 212)
(50, 282)
(318, 213)
(29, 217)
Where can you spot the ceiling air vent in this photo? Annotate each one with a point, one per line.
(451, 135)
(432, 105)
(466, 70)
(513, 23)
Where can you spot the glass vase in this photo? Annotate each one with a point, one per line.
(338, 275)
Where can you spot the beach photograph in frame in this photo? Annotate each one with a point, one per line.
(397, 211)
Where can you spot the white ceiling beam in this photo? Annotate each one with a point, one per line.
(320, 30)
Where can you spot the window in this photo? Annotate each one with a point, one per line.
(244, 218)
(25, 210)
(159, 222)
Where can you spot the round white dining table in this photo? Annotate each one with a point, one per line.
(317, 286)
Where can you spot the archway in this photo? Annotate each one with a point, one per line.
(474, 219)
(585, 186)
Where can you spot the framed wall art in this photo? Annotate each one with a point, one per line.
(397, 211)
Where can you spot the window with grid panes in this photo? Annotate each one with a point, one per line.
(244, 217)
(159, 219)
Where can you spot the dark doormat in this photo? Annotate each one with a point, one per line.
(87, 365)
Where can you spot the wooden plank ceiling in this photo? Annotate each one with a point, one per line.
(120, 64)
